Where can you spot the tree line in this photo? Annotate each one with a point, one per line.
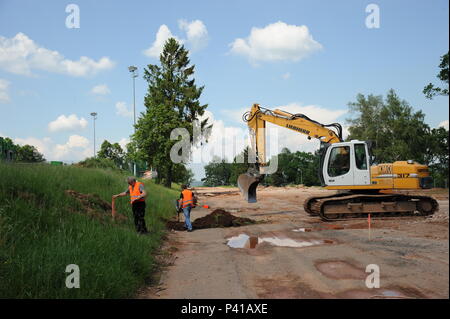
(293, 168)
(399, 133)
(9, 151)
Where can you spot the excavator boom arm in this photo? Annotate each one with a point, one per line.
(256, 119)
(258, 116)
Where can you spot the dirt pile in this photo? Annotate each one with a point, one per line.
(93, 206)
(218, 218)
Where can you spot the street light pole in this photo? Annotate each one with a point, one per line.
(94, 115)
(134, 74)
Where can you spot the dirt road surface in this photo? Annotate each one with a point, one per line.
(290, 254)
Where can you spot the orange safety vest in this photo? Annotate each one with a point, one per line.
(134, 192)
(188, 198)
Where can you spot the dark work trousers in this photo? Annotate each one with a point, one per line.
(139, 214)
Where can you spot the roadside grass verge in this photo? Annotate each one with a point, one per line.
(41, 232)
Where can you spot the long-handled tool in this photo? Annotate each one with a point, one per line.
(113, 208)
(197, 204)
(178, 208)
(114, 214)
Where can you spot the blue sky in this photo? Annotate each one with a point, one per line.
(348, 58)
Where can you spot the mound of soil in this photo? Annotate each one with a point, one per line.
(93, 206)
(218, 218)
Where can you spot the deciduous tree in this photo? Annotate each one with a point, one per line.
(398, 131)
(28, 153)
(113, 152)
(430, 90)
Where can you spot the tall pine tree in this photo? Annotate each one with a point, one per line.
(172, 101)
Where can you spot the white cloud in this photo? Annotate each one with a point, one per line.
(75, 149)
(276, 42)
(444, 124)
(314, 112)
(101, 89)
(4, 87)
(67, 123)
(196, 32)
(196, 37)
(42, 145)
(224, 141)
(21, 55)
(77, 141)
(123, 143)
(75, 144)
(236, 115)
(122, 110)
(161, 37)
(345, 131)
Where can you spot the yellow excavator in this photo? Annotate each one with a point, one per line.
(362, 188)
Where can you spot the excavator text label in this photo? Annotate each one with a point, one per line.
(297, 129)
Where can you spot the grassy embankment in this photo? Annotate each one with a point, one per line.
(42, 231)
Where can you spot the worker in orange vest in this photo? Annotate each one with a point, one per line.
(187, 202)
(137, 194)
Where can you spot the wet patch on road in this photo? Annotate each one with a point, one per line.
(382, 293)
(301, 230)
(246, 241)
(293, 287)
(331, 227)
(285, 287)
(339, 269)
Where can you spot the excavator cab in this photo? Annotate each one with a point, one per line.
(347, 164)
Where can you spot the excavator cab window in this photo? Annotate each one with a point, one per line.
(360, 156)
(339, 163)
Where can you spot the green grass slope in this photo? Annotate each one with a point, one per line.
(42, 231)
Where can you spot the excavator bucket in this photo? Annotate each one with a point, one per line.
(247, 184)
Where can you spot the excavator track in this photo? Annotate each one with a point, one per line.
(346, 206)
(310, 203)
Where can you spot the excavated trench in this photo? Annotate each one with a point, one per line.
(93, 206)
